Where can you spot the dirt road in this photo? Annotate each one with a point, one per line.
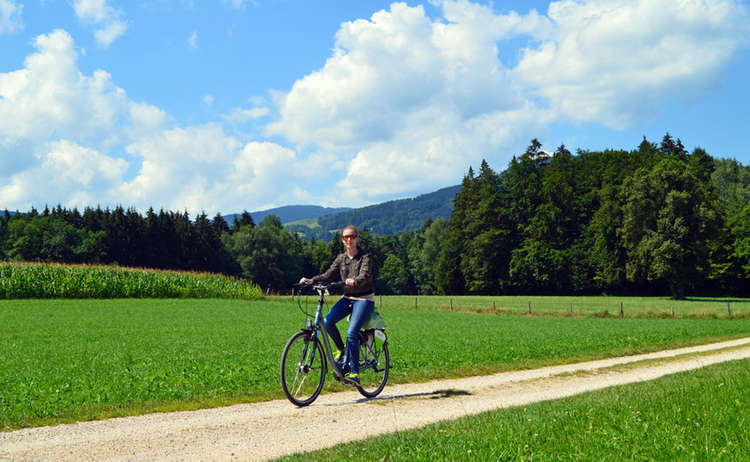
(265, 430)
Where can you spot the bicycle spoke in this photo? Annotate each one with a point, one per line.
(373, 369)
(302, 372)
(302, 382)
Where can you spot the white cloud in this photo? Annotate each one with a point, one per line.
(616, 61)
(66, 173)
(108, 21)
(110, 32)
(239, 115)
(50, 97)
(79, 140)
(403, 105)
(193, 41)
(10, 16)
(238, 4)
(408, 102)
(411, 97)
(202, 168)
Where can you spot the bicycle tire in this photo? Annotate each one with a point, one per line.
(303, 369)
(374, 366)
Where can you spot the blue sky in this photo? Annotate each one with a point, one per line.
(225, 105)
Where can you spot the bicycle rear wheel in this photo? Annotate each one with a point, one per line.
(374, 364)
(302, 369)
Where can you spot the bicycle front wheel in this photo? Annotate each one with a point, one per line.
(374, 364)
(302, 369)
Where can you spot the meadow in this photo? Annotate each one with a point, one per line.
(671, 418)
(70, 360)
(577, 305)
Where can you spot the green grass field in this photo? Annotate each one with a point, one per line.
(577, 305)
(69, 360)
(697, 415)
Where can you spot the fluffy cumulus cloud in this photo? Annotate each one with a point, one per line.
(50, 98)
(108, 22)
(417, 99)
(10, 17)
(78, 140)
(616, 61)
(203, 168)
(404, 104)
(66, 173)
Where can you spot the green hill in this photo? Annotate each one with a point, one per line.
(290, 213)
(395, 216)
(392, 217)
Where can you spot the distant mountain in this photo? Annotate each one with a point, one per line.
(392, 217)
(290, 213)
(396, 216)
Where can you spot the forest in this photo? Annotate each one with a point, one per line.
(655, 220)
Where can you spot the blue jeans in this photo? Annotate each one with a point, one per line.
(360, 311)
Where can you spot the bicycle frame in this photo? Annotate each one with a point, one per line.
(317, 327)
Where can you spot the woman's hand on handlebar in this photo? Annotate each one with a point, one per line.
(306, 281)
(350, 282)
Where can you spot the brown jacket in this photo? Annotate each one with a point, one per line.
(358, 268)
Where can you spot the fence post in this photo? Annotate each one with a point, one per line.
(673, 312)
(381, 301)
(529, 307)
(571, 308)
(451, 303)
(622, 313)
(493, 307)
(729, 310)
(415, 303)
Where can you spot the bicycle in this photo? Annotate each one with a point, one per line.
(305, 359)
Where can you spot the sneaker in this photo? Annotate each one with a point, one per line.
(351, 379)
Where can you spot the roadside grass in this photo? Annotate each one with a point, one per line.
(694, 415)
(71, 360)
(49, 280)
(605, 306)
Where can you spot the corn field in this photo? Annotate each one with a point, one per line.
(39, 280)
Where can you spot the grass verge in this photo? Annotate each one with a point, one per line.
(695, 415)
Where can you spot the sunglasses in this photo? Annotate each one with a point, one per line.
(349, 237)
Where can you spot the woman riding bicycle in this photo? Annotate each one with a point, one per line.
(354, 268)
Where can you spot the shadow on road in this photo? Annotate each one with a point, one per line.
(437, 394)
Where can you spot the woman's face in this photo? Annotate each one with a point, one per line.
(350, 239)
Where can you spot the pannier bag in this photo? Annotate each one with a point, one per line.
(375, 322)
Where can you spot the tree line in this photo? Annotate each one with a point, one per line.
(650, 221)
(654, 220)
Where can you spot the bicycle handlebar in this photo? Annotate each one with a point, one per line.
(330, 285)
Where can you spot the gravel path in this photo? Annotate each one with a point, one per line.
(264, 430)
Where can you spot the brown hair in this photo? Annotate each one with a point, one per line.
(351, 227)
